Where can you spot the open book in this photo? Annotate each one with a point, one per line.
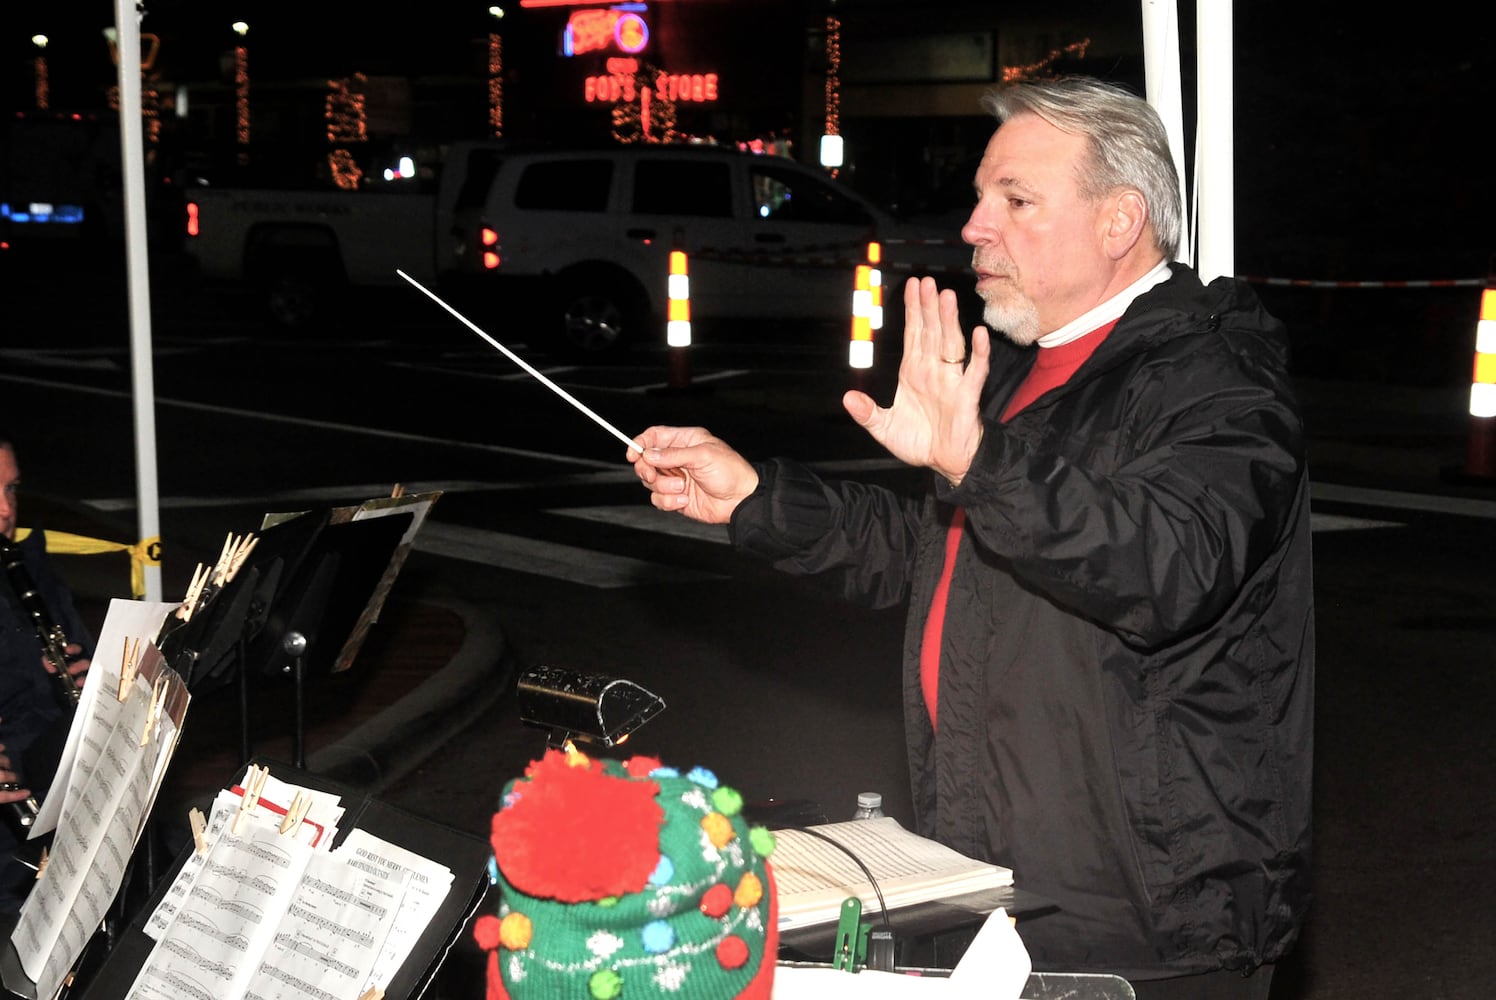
(813, 878)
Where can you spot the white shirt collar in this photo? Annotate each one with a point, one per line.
(1111, 309)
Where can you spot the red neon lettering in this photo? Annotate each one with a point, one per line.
(591, 30)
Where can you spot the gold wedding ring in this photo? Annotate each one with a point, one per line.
(954, 361)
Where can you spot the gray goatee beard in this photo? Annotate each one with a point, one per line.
(1017, 317)
(1018, 320)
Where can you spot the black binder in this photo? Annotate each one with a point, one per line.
(464, 853)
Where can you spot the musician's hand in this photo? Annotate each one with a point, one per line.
(10, 790)
(77, 667)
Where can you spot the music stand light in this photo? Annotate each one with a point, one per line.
(587, 707)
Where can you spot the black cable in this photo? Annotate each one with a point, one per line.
(882, 906)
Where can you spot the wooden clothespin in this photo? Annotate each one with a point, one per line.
(128, 668)
(222, 565)
(199, 830)
(397, 492)
(254, 785)
(295, 813)
(153, 711)
(41, 863)
(194, 590)
(241, 552)
(372, 993)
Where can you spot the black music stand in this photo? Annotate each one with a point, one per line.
(298, 607)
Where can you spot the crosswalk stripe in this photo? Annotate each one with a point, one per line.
(642, 517)
(550, 559)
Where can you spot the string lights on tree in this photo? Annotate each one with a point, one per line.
(345, 110)
(831, 142)
(241, 90)
(43, 84)
(496, 74)
(1075, 50)
(646, 110)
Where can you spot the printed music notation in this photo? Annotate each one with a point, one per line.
(265, 914)
(121, 740)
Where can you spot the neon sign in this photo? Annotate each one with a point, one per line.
(619, 84)
(599, 30)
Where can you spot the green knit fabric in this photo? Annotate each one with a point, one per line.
(683, 934)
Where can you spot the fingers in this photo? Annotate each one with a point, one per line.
(859, 406)
(932, 322)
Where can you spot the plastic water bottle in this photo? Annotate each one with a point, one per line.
(869, 806)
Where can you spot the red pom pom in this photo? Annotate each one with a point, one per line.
(486, 932)
(641, 767)
(575, 833)
(716, 901)
(732, 952)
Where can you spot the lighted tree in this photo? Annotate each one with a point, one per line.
(649, 116)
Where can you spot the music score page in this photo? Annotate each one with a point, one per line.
(814, 878)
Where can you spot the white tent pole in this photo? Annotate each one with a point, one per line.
(127, 34)
(1215, 151)
(1165, 92)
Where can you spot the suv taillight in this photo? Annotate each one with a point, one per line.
(490, 241)
(192, 221)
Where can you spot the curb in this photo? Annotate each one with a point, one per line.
(385, 748)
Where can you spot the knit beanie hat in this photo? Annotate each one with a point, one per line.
(627, 879)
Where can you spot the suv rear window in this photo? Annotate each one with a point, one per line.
(565, 186)
(665, 187)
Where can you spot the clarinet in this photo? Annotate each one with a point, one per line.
(48, 633)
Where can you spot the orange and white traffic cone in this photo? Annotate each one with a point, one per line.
(678, 319)
(1480, 453)
(867, 308)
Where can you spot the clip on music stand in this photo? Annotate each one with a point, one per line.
(298, 607)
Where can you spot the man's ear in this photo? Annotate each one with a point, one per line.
(1123, 225)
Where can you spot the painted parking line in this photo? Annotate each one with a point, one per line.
(587, 567)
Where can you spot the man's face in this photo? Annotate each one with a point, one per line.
(10, 482)
(1037, 242)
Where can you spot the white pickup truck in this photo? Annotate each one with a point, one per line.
(577, 241)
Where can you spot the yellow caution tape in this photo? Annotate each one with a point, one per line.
(142, 554)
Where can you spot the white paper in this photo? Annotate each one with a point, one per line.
(995, 966)
(228, 919)
(100, 824)
(814, 878)
(125, 621)
(428, 883)
(331, 936)
(316, 832)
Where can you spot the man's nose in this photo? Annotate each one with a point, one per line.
(978, 230)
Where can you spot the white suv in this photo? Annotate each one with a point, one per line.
(581, 239)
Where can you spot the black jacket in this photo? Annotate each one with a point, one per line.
(1127, 665)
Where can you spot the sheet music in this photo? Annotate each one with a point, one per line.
(98, 703)
(115, 783)
(119, 751)
(814, 877)
(230, 917)
(316, 832)
(332, 935)
(428, 883)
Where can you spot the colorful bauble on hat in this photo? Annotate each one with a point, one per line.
(627, 879)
